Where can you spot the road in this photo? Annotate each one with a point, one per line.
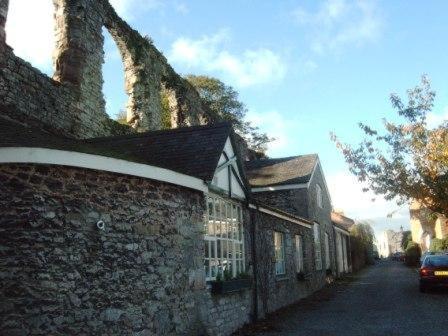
(382, 300)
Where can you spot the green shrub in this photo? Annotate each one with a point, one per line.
(439, 245)
(413, 254)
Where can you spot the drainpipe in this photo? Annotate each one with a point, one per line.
(335, 249)
(253, 224)
(349, 254)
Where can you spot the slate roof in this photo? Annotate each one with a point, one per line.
(193, 151)
(281, 171)
(342, 221)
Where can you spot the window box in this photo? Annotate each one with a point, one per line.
(303, 276)
(230, 286)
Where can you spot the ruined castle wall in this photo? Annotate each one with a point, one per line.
(31, 97)
(3, 14)
(62, 275)
(72, 102)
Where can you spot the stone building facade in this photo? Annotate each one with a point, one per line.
(298, 279)
(133, 230)
(297, 185)
(390, 242)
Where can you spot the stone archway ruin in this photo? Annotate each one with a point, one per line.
(74, 103)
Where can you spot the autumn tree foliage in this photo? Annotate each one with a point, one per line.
(407, 160)
(223, 102)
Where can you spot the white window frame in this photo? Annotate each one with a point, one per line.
(298, 239)
(279, 253)
(223, 238)
(327, 252)
(317, 247)
(319, 196)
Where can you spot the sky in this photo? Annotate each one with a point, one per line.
(302, 68)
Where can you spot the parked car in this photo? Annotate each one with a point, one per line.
(398, 256)
(434, 272)
(427, 253)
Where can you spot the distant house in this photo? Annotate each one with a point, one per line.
(342, 225)
(390, 242)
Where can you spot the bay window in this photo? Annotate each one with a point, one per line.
(224, 241)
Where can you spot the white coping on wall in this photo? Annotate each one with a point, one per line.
(347, 233)
(281, 187)
(97, 162)
(279, 215)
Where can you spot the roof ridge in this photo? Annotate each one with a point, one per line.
(282, 158)
(183, 129)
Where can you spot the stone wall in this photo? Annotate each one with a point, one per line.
(60, 274)
(72, 102)
(223, 314)
(34, 99)
(276, 291)
(293, 201)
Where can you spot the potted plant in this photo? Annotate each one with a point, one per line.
(224, 282)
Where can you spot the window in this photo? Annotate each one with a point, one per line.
(224, 242)
(317, 248)
(327, 252)
(279, 246)
(319, 196)
(299, 253)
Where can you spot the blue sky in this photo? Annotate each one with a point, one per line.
(303, 68)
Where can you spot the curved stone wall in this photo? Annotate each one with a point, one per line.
(62, 273)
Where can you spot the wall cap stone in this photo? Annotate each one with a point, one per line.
(97, 162)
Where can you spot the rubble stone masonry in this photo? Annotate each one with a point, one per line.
(72, 102)
(61, 274)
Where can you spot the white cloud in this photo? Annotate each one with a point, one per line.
(252, 67)
(347, 195)
(127, 8)
(341, 23)
(181, 8)
(29, 30)
(435, 119)
(276, 126)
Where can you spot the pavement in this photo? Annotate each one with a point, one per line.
(382, 300)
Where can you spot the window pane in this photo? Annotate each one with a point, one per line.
(225, 251)
(213, 249)
(207, 267)
(214, 269)
(210, 207)
(207, 248)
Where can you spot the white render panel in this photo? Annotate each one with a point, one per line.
(236, 188)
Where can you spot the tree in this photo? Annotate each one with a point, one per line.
(121, 117)
(361, 243)
(410, 159)
(406, 239)
(223, 102)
